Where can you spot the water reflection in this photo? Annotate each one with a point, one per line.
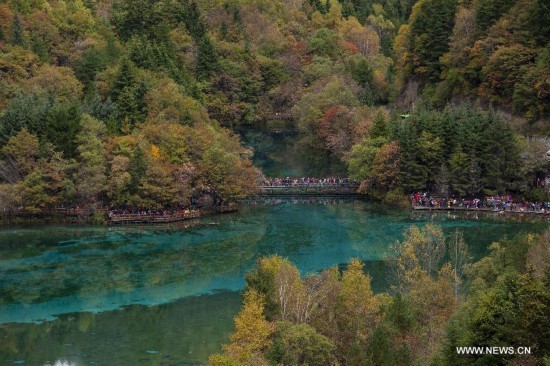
(184, 332)
(62, 363)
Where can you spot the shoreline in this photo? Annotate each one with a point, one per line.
(9, 219)
(101, 217)
(488, 210)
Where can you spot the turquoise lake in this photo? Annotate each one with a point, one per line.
(143, 295)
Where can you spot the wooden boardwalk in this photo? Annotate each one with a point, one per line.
(483, 209)
(309, 189)
(152, 218)
(232, 207)
(168, 217)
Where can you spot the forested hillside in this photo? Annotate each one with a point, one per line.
(133, 103)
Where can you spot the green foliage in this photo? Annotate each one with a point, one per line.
(18, 33)
(26, 111)
(361, 160)
(262, 279)
(530, 92)
(91, 177)
(137, 169)
(61, 127)
(148, 63)
(141, 17)
(506, 305)
(191, 16)
(207, 58)
(300, 344)
(459, 167)
(323, 43)
(24, 149)
(379, 128)
(33, 192)
(94, 60)
(129, 95)
(431, 25)
(489, 11)
(480, 149)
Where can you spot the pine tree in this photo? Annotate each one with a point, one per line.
(62, 126)
(207, 59)
(489, 11)
(129, 95)
(348, 10)
(190, 15)
(137, 169)
(460, 166)
(379, 127)
(431, 26)
(18, 33)
(91, 176)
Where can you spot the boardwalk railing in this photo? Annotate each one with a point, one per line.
(232, 207)
(153, 218)
(309, 188)
(481, 209)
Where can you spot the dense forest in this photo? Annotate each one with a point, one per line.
(137, 103)
(439, 300)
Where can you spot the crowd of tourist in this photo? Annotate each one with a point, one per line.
(273, 201)
(306, 181)
(158, 213)
(497, 203)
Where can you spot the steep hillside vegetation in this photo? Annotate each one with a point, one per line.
(132, 102)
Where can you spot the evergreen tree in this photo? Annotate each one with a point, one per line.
(348, 10)
(431, 25)
(379, 348)
(33, 192)
(158, 188)
(474, 176)
(62, 125)
(28, 111)
(379, 127)
(190, 15)
(489, 11)
(18, 33)
(363, 8)
(129, 95)
(459, 164)
(147, 18)
(137, 169)
(91, 176)
(207, 59)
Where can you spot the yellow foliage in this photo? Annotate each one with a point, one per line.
(155, 152)
(6, 17)
(166, 103)
(56, 81)
(358, 307)
(364, 37)
(252, 330)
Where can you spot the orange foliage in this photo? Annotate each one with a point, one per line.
(6, 17)
(349, 46)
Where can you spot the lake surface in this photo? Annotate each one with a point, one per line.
(167, 295)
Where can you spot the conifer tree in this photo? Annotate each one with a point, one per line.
(91, 178)
(460, 166)
(207, 58)
(18, 33)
